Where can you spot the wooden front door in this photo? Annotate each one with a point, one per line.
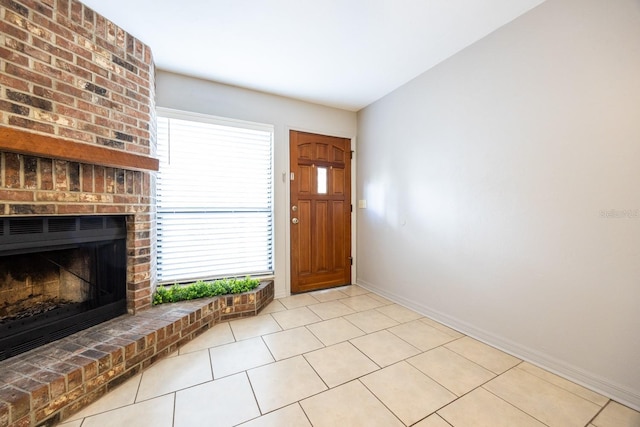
(320, 211)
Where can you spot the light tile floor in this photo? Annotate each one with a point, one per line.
(347, 357)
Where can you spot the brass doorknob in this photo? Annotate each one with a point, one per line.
(294, 220)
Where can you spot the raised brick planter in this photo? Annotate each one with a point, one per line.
(45, 386)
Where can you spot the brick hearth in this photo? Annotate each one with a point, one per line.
(47, 385)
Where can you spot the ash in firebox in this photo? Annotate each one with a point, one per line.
(27, 308)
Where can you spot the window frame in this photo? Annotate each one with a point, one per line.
(232, 123)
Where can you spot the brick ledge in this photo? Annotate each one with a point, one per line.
(47, 385)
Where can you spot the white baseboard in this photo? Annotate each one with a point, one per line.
(617, 392)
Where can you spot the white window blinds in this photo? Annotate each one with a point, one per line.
(214, 198)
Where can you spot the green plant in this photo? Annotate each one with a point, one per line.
(201, 289)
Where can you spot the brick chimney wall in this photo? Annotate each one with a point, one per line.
(67, 72)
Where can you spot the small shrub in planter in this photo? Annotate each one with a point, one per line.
(202, 289)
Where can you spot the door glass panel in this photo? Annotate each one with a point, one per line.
(322, 180)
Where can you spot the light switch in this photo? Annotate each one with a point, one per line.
(362, 204)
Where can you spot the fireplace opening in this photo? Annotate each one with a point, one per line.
(58, 275)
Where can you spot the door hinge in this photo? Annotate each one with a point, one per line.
(351, 208)
(351, 260)
(351, 154)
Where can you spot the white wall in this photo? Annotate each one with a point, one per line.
(489, 182)
(200, 96)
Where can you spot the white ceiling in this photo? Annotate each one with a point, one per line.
(341, 53)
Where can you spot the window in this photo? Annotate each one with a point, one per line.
(214, 198)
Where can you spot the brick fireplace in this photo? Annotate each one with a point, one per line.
(77, 125)
(77, 139)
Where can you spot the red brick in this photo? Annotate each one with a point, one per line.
(37, 54)
(57, 196)
(16, 7)
(68, 89)
(137, 131)
(110, 180)
(127, 83)
(82, 402)
(101, 81)
(12, 170)
(63, 7)
(10, 30)
(137, 113)
(111, 209)
(53, 27)
(120, 38)
(87, 178)
(140, 82)
(30, 124)
(59, 403)
(14, 57)
(27, 75)
(91, 128)
(89, 17)
(22, 422)
(139, 357)
(4, 415)
(56, 73)
(17, 19)
(13, 82)
(108, 103)
(43, 7)
(57, 387)
(58, 97)
(14, 108)
(74, 177)
(46, 174)
(139, 49)
(108, 123)
(39, 393)
(99, 179)
(86, 106)
(76, 11)
(60, 169)
(19, 401)
(52, 49)
(73, 112)
(75, 27)
(49, 4)
(89, 65)
(125, 200)
(123, 100)
(137, 149)
(16, 196)
(21, 209)
(75, 134)
(68, 209)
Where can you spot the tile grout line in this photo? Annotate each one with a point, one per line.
(559, 386)
(599, 412)
(511, 404)
(255, 398)
(379, 400)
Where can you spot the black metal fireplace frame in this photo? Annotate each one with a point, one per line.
(104, 237)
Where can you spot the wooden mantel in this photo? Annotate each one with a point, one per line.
(33, 144)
